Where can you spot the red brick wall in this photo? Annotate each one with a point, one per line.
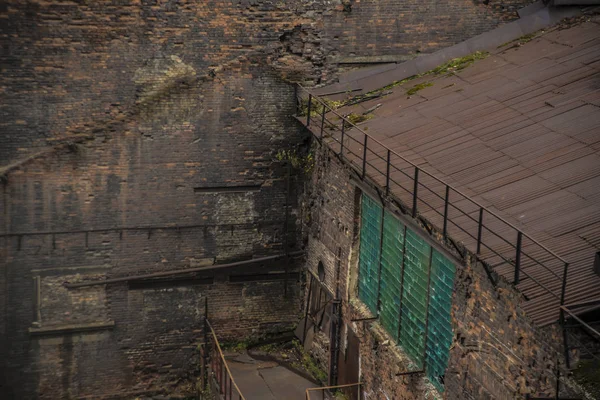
(496, 352)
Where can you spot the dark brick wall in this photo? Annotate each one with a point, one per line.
(496, 352)
(409, 27)
(68, 67)
(136, 182)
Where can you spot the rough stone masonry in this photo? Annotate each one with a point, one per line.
(142, 136)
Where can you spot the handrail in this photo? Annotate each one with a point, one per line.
(331, 387)
(315, 97)
(357, 161)
(520, 260)
(224, 363)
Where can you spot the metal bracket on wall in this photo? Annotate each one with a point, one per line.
(364, 319)
(410, 373)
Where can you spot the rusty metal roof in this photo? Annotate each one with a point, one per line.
(518, 132)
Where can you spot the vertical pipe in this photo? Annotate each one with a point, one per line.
(364, 166)
(285, 230)
(479, 231)
(415, 192)
(557, 379)
(206, 352)
(307, 306)
(387, 173)
(446, 200)
(308, 110)
(322, 122)
(565, 339)
(297, 104)
(518, 257)
(342, 141)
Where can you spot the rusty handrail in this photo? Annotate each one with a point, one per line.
(224, 363)
(371, 138)
(308, 390)
(483, 211)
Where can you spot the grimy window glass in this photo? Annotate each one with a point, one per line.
(410, 285)
(439, 331)
(392, 254)
(370, 237)
(414, 296)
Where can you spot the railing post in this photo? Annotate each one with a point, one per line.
(563, 290)
(308, 110)
(565, 338)
(479, 231)
(364, 166)
(387, 173)
(562, 315)
(446, 200)
(322, 122)
(205, 353)
(415, 192)
(518, 257)
(342, 141)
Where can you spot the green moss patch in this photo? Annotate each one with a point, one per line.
(418, 87)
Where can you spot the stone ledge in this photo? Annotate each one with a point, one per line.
(76, 328)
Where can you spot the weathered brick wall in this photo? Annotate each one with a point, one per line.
(132, 181)
(496, 351)
(116, 111)
(66, 66)
(373, 28)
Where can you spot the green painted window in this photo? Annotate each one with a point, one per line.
(414, 296)
(370, 237)
(409, 285)
(439, 331)
(392, 255)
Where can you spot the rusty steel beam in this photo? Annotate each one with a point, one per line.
(180, 271)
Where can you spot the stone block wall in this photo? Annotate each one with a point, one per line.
(496, 351)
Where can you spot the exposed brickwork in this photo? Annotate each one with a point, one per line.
(117, 111)
(496, 351)
(409, 27)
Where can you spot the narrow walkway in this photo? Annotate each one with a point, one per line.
(266, 380)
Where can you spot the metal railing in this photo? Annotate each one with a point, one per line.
(325, 390)
(215, 371)
(504, 247)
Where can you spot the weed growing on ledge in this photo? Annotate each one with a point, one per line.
(309, 364)
(305, 163)
(316, 108)
(458, 64)
(418, 87)
(358, 118)
(237, 347)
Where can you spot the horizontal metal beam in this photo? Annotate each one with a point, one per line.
(137, 228)
(180, 271)
(582, 322)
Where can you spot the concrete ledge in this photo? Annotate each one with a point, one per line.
(75, 328)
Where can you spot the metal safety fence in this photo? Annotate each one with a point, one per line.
(494, 241)
(501, 247)
(216, 375)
